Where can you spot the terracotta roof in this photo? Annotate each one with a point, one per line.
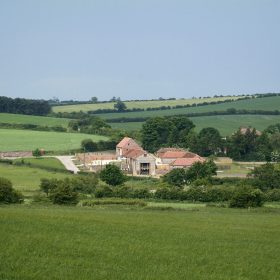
(161, 151)
(177, 154)
(135, 153)
(187, 161)
(128, 142)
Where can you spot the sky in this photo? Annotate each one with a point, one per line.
(138, 49)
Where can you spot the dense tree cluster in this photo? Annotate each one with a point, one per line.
(89, 124)
(244, 144)
(180, 177)
(24, 106)
(158, 132)
(7, 193)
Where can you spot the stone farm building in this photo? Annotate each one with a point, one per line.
(134, 160)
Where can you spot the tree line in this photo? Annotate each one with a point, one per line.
(24, 106)
(243, 145)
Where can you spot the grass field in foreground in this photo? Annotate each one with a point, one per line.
(37, 120)
(121, 243)
(225, 124)
(27, 179)
(27, 140)
(267, 103)
(136, 104)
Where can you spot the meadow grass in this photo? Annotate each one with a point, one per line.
(27, 140)
(47, 242)
(27, 179)
(37, 120)
(137, 104)
(267, 103)
(43, 162)
(225, 124)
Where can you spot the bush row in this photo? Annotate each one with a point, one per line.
(94, 202)
(36, 127)
(230, 111)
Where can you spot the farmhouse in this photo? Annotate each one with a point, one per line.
(134, 160)
(244, 130)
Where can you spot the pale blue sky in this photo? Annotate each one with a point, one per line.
(138, 49)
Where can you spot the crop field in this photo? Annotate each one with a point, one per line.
(267, 103)
(225, 124)
(27, 140)
(37, 120)
(137, 104)
(27, 179)
(49, 242)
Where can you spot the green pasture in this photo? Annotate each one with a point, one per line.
(137, 104)
(50, 242)
(27, 179)
(27, 140)
(42, 162)
(225, 124)
(37, 120)
(267, 103)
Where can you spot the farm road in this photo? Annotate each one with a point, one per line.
(68, 163)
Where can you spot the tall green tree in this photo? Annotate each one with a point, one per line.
(165, 131)
(209, 142)
(112, 175)
(120, 106)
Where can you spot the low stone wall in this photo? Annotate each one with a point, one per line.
(15, 154)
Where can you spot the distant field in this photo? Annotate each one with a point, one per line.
(136, 104)
(37, 120)
(73, 243)
(225, 124)
(27, 140)
(27, 179)
(267, 103)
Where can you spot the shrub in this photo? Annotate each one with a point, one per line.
(244, 197)
(273, 195)
(123, 192)
(47, 185)
(7, 193)
(64, 194)
(167, 193)
(112, 175)
(103, 192)
(141, 193)
(175, 177)
(94, 202)
(85, 184)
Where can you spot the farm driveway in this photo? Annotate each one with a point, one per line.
(68, 163)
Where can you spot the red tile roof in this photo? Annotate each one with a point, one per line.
(127, 142)
(178, 154)
(187, 161)
(162, 151)
(135, 153)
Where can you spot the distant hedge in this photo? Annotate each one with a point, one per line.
(35, 127)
